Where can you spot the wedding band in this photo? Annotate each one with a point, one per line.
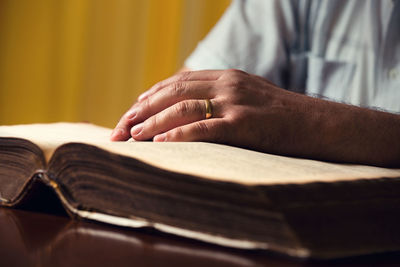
(208, 108)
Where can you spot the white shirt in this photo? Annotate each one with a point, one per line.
(347, 51)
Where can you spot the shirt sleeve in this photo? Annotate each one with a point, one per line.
(256, 36)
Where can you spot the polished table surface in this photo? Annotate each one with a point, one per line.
(30, 238)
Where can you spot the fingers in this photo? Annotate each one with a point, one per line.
(121, 132)
(202, 75)
(168, 96)
(211, 130)
(172, 94)
(182, 113)
(180, 87)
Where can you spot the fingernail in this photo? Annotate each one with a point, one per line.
(131, 114)
(137, 129)
(143, 96)
(160, 138)
(116, 133)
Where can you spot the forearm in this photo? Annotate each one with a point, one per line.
(344, 133)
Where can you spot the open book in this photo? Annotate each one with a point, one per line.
(214, 193)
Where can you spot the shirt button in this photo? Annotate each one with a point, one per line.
(394, 74)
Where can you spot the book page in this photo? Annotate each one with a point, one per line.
(211, 161)
(50, 136)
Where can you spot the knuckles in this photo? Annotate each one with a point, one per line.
(202, 128)
(185, 108)
(234, 74)
(182, 108)
(151, 123)
(183, 76)
(177, 88)
(234, 81)
(175, 135)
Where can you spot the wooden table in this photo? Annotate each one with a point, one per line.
(41, 239)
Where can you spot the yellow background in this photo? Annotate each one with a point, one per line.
(88, 60)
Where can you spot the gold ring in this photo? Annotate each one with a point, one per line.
(208, 108)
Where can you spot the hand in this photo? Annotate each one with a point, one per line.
(251, 112)
(248, 111)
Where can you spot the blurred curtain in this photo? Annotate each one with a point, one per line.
(88, 60)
